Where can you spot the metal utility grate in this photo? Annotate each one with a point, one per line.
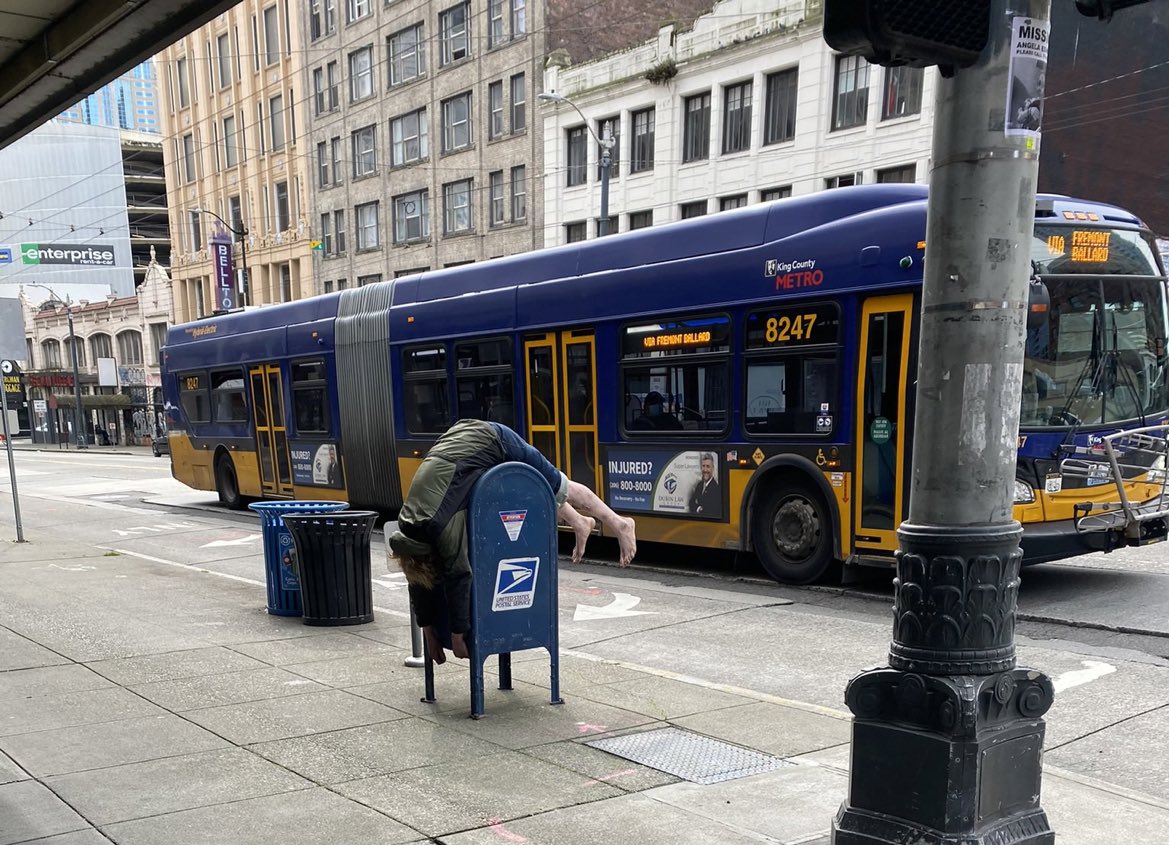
(690, 756)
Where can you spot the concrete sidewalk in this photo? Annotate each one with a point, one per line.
(150, 704)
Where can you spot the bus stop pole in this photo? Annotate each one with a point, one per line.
(947, 740)
(11, 463)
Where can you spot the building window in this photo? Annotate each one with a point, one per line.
(367, 226)
(101, 346)
(230, 149)
(189, 158)
(223, 56)
(181, 73)
(495, 110)
(519, 193)
(737, 117)
(577, 156)
(315, 20)
(407, 57)
(455, 33)
(906, 173)
(52, 350)
(341, 284)
(519, 115)
(319, 91)
(641, 151)
(276, 120)
(364, 151)
(334, 86)
(408, 137)
(355, 10)
(327, 234)
(130, 348)
(361, 74)
(850, 105)
(456, 123)
(611, 127)
(693, 209)
(271, 36)
(496, 200)
(411, 217)
(519, 18)
(196, 231)
(641, 219)
(322, 165)
(235, 216)
(772, 194)
(67, 346)
(339, 228)
(337, 161)
(736, 201)
(285, 282)
(372, 279)
(575, 232)
(696, 131)
(456, 198)
(779, 113)
(280, 189)
(902, 94)
(845, 181)
(494, 23)
(157, 340)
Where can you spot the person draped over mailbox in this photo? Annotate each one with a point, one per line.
(430, 544)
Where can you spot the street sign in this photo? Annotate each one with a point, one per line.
(12, 330)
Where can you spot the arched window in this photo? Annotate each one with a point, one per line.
(101, 346)
(130, 348)
(68, 352)
(52, 350)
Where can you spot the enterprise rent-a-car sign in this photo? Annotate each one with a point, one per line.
(98, 255)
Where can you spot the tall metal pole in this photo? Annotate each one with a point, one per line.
(606, 163)
(79, 433)
(11, 462)
(947, 741)
(243, 254)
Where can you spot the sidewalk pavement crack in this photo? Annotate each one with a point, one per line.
(1106, 727)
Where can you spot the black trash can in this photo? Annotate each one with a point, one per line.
(332, 550)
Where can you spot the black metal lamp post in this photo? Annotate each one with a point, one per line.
(606, 144)
(242, 233)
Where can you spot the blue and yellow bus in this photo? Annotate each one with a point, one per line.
(738, 381)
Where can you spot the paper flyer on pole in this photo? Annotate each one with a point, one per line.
(1029, 39)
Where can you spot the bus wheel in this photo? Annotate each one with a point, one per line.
(227, 485)
(792, 533)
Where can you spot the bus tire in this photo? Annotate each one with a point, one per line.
(227, 485)
(791, 531)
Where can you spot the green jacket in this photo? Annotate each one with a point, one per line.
(433, 519)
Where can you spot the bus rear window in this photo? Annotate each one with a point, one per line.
(194, 397)
(310, 401)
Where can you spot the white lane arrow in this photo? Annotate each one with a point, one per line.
(1092, 670)
(389, 584)
(622, 605)
(242, 541)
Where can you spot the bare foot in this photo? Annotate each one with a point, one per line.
(627, 540)
(459, 646)
(434, 645)
(582, 530)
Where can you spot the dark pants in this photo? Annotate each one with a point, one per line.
(447, 606)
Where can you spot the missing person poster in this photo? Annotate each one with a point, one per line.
(661, 481)
(1028, 67)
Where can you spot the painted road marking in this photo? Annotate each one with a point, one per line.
(1092, 670)
(242, 541)
(622, 605)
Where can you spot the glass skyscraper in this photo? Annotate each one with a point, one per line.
(129, 102)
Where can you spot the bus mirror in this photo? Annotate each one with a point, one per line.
(1038, 303)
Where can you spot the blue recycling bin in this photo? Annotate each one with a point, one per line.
(280, 569)
(511, 530)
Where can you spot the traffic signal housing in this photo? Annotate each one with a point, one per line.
(919, 33)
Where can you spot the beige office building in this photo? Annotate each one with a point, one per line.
(232, 104)
(425, 149)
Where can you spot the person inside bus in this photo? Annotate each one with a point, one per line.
(430, 545)
(654, 416)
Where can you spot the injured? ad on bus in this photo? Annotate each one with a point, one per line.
(664, 481)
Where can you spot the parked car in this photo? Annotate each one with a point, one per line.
(160, 445)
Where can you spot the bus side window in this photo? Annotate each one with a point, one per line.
(227, 389)
(310, 400)
(484, 380)
(194, 398)
(425, 389)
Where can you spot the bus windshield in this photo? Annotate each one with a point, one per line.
(1099, 356)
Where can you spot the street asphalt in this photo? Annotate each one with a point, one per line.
(149, 700)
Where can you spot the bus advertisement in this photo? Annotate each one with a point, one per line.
(738, 381)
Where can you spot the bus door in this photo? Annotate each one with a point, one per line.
(271, 431)
(561, 400)
(880, 452)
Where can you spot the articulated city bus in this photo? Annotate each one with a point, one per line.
(739, 381)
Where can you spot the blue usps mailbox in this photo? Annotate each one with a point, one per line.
(511, 525)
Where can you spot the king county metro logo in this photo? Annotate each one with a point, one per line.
(515, 583)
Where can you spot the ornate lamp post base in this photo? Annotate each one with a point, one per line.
(947, 747)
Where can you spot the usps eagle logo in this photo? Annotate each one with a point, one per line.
(515, 584)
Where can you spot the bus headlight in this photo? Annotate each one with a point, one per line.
(1024, 494)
